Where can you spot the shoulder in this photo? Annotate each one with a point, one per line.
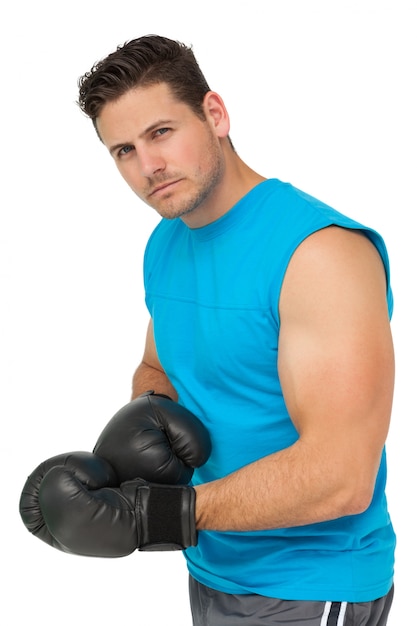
(334, 268)
(335, 249)
(339, 241)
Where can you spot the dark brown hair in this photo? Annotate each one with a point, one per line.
(144, 61)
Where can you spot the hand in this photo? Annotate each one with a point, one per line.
(113, 522)
(90, 470)
(150, 439)
(155, 438)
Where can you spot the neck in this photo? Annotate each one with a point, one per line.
(238, 179)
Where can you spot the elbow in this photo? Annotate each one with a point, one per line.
(355, 486)
(357, 499)
(360, 503)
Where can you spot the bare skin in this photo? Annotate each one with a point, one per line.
(180, 165)
(336, 361)
(150, 374)
(336, 367)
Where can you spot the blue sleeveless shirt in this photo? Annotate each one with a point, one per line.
(213, 295)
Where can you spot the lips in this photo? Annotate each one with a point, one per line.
(163, 186)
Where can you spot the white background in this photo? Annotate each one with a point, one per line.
(321, 94)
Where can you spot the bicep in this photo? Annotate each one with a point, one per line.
(336, 362)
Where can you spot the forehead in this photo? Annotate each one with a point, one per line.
(137, 110)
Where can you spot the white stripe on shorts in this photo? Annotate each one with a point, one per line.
(326, 615)
(342, 614)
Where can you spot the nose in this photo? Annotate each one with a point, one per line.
(150, 161)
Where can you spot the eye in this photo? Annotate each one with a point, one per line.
(161, 131)
(125, 150)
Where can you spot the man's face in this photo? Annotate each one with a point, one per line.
(169, 157)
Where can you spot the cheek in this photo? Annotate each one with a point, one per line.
(195, 153)
(124, 174)
(131, 177)
(185, 154)
(128, 171)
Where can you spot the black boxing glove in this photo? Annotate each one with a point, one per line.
(154, 438)
(113, 522)
(92, 471)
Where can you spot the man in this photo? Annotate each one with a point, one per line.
(270, 320)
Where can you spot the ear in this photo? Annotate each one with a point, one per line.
(216, 113)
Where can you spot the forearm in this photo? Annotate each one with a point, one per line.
(147, 377)
(290, 488)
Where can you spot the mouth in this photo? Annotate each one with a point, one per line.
(163, 186)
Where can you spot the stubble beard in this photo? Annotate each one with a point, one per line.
(205, 183)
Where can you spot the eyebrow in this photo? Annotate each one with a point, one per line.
(117, 146)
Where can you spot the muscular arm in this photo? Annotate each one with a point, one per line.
(150, 373)
(336, 367)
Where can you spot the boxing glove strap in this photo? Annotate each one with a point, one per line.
(166, 517)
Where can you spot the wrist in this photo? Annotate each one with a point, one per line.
(200, 507)
(165, 515)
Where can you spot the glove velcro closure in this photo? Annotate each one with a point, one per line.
(166, 517)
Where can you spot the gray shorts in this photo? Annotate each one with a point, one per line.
(214, 608)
